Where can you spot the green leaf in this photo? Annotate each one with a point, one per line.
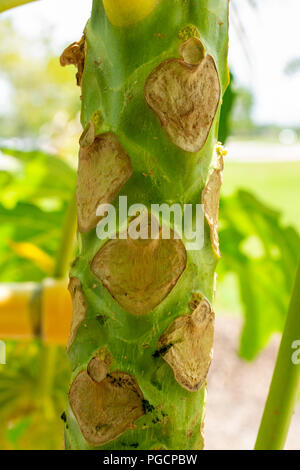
(262, 253)
(27, 223)
(8, 4)
(35, 191)
(37, 178)
(29, 413)
(226, 111)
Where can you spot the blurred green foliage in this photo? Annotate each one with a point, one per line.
(34, 195)
(33, 199)
(42, 104)
(33, 390)
(41, 109)
(236, 112)
(262, 253)
(226, 111)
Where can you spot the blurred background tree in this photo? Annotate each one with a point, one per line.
(42, 103)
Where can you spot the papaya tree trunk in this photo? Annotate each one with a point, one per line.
(152, 75)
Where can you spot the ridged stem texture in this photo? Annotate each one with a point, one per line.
(142, 331)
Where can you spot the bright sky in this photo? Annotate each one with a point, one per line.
(272, 40)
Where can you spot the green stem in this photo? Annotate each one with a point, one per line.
(285, 383)
(63, 258)
(65, 250)
(8, 4)
(48, 362)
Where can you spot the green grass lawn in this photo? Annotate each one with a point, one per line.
(276, 184)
